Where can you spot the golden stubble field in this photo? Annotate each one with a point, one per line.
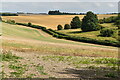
(49, 21)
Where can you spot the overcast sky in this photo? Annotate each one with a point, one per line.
(59, 0)
(38, 6)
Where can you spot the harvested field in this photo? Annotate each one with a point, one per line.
(49, 21)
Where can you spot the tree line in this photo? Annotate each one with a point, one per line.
(90, 22)
(8, 14)
(57, 12)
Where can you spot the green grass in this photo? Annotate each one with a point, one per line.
(8, 56)
(81, 60)
(40, 69)
(17, 31)
(92, 34)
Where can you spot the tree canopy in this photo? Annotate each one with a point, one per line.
(90, 22)
(75, 23)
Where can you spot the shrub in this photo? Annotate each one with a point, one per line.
(117, 23)
(106, 32)
(110, 19)
(75, 23)
(10, 21)
(29, 24)
(67, 26)
(90, 22)
(101, 21)
(59, 27)
(0, 18)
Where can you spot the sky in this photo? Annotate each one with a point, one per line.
(43, 6)
(59, 0)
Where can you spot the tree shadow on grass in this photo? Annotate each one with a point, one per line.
(101, 73)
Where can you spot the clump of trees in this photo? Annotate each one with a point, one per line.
(111, 19)
(57, 12)
(59, 27)
(75, 23)
(90, 22)
(67, 26)
(8, 14)
(106, 32)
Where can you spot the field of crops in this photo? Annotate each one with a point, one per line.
(49, 21)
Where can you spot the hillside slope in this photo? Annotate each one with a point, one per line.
(23, 38)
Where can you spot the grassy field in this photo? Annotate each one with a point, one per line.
(92, 34)
(49, 21)
(22, 38)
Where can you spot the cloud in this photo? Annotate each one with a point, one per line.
(111, 5)
(37, 7)
(97, 4)
(60, 0)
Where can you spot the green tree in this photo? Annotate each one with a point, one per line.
(101, 21)
(29, 24)
(106, 32)
(90, 22)
(67, 26)
(59, 27)
(75, 23)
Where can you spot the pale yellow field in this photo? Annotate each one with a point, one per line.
(49, 21)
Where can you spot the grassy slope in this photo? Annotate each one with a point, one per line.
(21, 38)
(92, 34)
(49, 21)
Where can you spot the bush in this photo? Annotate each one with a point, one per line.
(110, 19)
(0, 18)
(106, 32)
(75, 23)
(101, 21)
(29, 24)
(10, 21)
(117, 23)
(90, 22)
(59, 27)
(67, 26)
